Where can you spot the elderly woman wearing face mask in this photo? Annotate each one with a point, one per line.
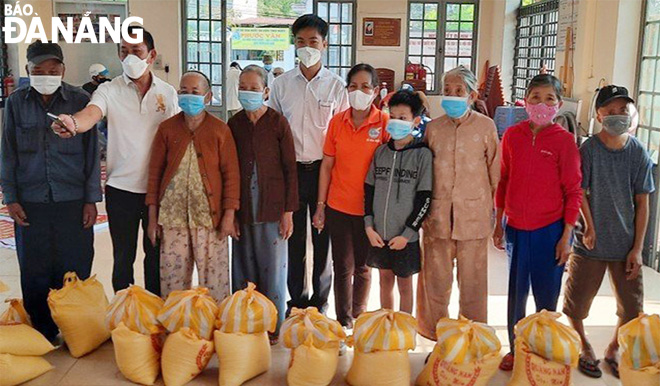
(193, 192)
(353, 137)
(269, 192)
(466, 171)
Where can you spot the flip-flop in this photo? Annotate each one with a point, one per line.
(614, 366)
(273, 339)
(507, 362)
(589, 367)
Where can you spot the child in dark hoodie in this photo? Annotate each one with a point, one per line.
(397, 199)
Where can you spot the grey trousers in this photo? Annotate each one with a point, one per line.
(260, 256)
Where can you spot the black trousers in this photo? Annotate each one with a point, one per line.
(308, 186)
(53, 244)
(126, 210)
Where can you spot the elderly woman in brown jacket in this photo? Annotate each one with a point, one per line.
(269, 192)
(466, 170)
(193, 192)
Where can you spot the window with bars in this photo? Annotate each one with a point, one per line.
(441, 36)
(536, 43)
(648, 82)
(340, 16)
(203, 41)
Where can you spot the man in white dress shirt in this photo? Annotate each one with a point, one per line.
(308, 96)
(135, 104)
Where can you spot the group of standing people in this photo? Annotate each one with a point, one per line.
(308, 148)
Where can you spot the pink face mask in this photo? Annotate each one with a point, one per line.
(542, 114)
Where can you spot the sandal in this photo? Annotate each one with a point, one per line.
(274, 339)
(507, 362)
(613, 365)
(589, 367)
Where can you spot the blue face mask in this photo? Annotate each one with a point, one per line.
(191, 104)
(251, 100)
(268, 67)
(455, 107)
(399, 129)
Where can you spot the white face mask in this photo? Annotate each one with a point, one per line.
(45, 84)
(360, 100)
(308, 56)
(133, 66)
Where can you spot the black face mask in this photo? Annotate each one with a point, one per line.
(103, 80)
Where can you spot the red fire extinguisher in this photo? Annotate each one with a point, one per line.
(415, 71)
(8, 85)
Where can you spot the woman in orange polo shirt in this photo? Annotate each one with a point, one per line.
(353, 137)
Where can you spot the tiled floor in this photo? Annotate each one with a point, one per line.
(98, 368)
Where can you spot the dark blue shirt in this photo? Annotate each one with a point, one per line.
(37, 166)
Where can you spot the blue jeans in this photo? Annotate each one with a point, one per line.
(260, 256)
(532, 261)
(53, 244)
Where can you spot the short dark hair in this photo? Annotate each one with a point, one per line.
(310, 21)
(407, 98)
(206, 78)
(543, 80)
(363, 67)
(147, 38)
(236, 65)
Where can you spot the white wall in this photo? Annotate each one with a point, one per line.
(608, 34)
(492, 14)
(163, 19)
(606, 47)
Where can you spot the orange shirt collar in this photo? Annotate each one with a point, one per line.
(374, 117)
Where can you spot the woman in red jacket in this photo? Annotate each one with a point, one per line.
(539, 193)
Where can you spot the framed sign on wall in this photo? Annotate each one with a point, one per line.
(378, 31)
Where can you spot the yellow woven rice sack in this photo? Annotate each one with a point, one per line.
(530, 369)
(137, 355)
(15, 370)
(241, 357)
(647, 376)
(439, 372)
(185, 356)
(248, 312)
(310, 323)
(21, 339)
(15, 313)
(548, 338)
(193, 308)
(314, 340)
(466, 353)
(312, 366)
(384, 330)
(382, 339)
(640, 342)
(382, 368)
(78, 309)
(137, 308)
(3, 287)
